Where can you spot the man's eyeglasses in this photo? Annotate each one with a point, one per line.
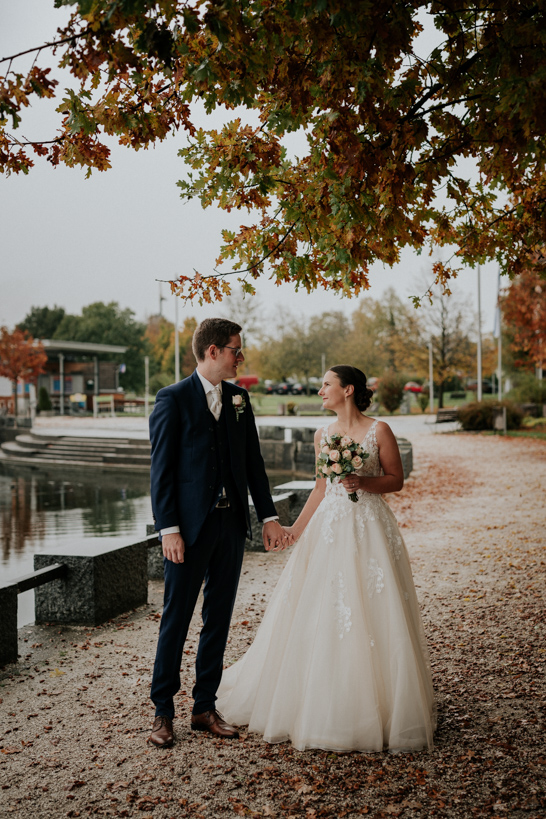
(236, 350)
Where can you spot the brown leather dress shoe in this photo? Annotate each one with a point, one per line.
(214, 723)
(162, 732)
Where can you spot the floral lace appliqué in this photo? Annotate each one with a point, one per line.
(375, 577)
(343, 612)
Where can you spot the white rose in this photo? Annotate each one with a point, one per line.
(326, 470)
(346, 441)
(237, 400)
(336, 468)
(334, 455)
(326, 449)
(347, 454)
(357, 461)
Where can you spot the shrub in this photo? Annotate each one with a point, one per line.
(292, 408)
(391, 391)
(529, 390)
(158, 381)
(423, 399)
(479, 415)
(44, 401)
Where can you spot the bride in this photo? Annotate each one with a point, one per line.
(339, 661)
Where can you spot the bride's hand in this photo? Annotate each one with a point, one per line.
(290, 530)
(351, 483)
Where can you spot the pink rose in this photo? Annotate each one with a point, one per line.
(346, 441)
(326, 449)
(326, 470)
(357, 461)
(336, 468)
(334, 455)
(347, 454)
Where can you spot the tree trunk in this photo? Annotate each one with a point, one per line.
(441, 395)
(14, 404)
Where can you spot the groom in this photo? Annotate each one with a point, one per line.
(205, 457)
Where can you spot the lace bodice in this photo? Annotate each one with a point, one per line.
(370, 506)
(371, 466)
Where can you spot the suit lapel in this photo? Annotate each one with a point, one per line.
(227, 408)
(199, 392)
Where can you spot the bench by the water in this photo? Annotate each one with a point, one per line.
(89, 583)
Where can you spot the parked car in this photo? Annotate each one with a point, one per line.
(487, 386)
(301, 389)
(247, 381)
(413, 386)
(282, 388)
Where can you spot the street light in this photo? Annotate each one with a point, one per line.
(176, 343)
(430, 377)
(479, 396)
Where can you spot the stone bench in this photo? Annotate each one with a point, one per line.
(82, 584)
(447, 414)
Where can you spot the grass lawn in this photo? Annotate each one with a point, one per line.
(269, 404)
(537, 432)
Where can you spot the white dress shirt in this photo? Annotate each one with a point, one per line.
(211, 395)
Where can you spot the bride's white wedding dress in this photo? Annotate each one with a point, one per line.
(339, 661)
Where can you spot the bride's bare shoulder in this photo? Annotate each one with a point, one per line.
(383, 431)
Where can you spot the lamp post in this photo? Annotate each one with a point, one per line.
(479, 351)
(498, 336)
(146, 385)
(430, 378)
(176, 343)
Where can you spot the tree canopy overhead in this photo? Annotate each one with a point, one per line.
(384, 126)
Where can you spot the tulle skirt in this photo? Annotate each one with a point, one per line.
(339, 661)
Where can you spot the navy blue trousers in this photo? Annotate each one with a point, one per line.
(215, 558)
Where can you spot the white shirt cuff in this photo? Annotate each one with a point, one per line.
(266, 520)
(170, 530)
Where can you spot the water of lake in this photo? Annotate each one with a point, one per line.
(42, 510)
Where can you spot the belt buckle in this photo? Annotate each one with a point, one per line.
(223, 503)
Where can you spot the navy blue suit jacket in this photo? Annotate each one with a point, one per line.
(184, 460)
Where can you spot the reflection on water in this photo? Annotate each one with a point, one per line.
(42, 510)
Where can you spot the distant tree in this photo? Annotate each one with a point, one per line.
(298, 352)
(160, 336)
(20, 357)
(42, 322)
(524, 316)
(44, 401)
(384, 335)
(448, 323)
(391, 391)
(109, 324)
(247, 311)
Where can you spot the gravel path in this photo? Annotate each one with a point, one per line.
(76, 714)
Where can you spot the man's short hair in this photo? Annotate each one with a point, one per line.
(216, 331)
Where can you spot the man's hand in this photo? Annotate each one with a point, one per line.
(173, 547)
(275, 538)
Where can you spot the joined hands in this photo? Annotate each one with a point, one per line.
(275, 537)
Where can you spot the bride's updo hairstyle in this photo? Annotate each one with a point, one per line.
(352, 375)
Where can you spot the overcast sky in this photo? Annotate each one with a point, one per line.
(70, 241)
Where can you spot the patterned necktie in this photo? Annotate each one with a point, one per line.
(216, 402)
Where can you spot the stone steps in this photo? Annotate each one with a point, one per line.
(69, 451)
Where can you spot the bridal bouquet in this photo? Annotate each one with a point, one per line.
(339, 457)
